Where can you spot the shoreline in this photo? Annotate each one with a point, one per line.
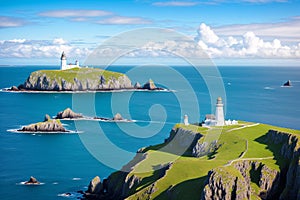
(84, 91)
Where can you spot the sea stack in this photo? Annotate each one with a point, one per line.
(150, 85)
(68, 114)
(118, 117)
(287, 84)
(32, 181)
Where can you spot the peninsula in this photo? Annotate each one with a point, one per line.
(248, 161)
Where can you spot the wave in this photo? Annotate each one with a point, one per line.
(72, 195)
(23, 183)
(76, 179)
(43, 132)
(286, 86)
(269, 88)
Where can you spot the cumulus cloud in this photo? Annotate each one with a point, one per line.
(6, 22)
(175, 3)
(245, 46)
(75, 13)
(22, 48)
(287, 30)
(207, 42)
(120, 20)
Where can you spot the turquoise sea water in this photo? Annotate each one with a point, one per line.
(66, 162)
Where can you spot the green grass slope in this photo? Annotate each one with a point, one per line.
(187, 175)
(79, 73)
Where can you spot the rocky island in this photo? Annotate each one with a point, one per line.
(247, 161)
(48, 126)
(32, 181)
(69, 114)
(79, 79)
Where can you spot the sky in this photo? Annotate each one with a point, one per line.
(242, 33)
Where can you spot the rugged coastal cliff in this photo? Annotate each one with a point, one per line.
(264, 167)
(76, 79)
(273, 184)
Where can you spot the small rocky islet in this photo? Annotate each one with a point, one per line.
(32, 181)
(50, 125)
(80, 79)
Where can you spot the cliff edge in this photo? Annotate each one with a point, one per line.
(247, 161)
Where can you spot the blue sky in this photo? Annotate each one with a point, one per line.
(249, 32)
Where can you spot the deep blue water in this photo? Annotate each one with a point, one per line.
(64, 162)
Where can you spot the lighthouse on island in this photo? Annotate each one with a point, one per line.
(64, 65)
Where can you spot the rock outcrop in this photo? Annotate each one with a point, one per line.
(222, 183)
(76, 80)
(182, 141)
(287, 84)
(68, 114)
(137, 85)
(290, 172)
(122, 184)
(118, 185)
(150, 85)
(51, 125)
(118, 117)
(32, 181)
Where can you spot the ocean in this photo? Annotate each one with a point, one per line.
(67, 162)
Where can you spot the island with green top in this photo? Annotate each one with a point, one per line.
(79, 79)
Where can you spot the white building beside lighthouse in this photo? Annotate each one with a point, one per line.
(64, 65)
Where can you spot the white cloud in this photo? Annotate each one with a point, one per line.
(75, 13)
(21, 48)
(6, 22)
(119, 20)
(245, 46)
(286, 31)
(248, 45)
(175, 3)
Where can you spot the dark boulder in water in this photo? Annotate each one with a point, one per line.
(150, 85)
(14, 88)
(287, 84)
(32, 181)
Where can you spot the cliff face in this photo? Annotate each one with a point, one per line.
(183, 141)
(75, 80)
(123, 183)
(226, 183)
(290, 151)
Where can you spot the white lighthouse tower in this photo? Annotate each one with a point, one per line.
(63, 63)
(219, 113)
(186, 120)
